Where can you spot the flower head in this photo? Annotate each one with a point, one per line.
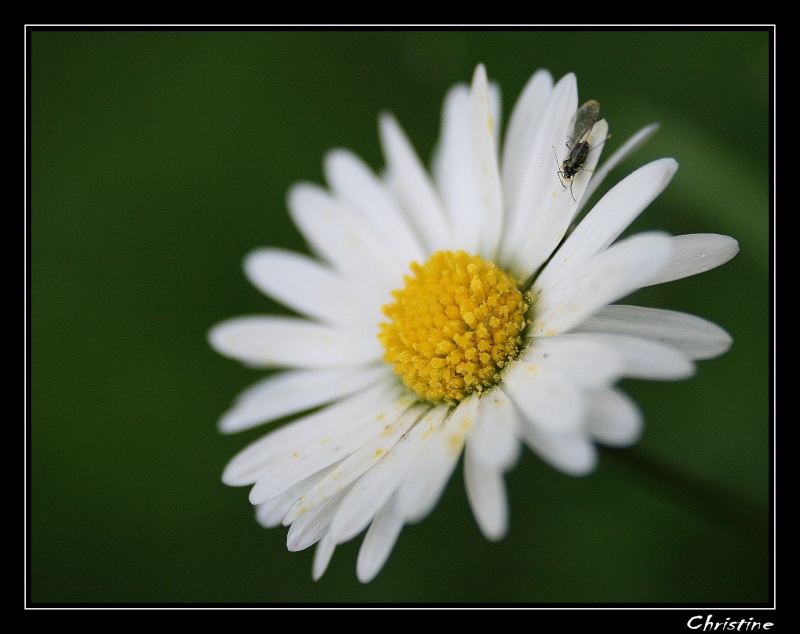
(457, 311)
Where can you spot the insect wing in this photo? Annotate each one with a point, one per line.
(583, 121)
(581, 125)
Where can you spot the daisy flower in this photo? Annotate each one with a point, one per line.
(458, 311)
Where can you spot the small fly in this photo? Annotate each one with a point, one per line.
(578, 142)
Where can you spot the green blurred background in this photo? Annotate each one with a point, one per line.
(158, 159)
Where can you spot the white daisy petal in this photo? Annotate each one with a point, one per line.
(644, 358)
(310, 482)
(272, 512)
(294, 391)
(487, 177)
(435, 463)
(411, 185)
(453, 168)
(378, 543)
(248, 465)
(344, 240)
(269, 341)
(357, 463)
(604, 278)
(492, 439)
(486, 492)
(351, 179)
(608, 219)
(322, 557)
(324, 451)
(524, 128)
(496, 112)
(466, 167)
(694, 336)
(628, 148)
(544, 208)
(587, 364)
(570, 452)
(696, 253)
(378, 484)
(545, 398)
(310, 288)
(614, 418)
(312, 526)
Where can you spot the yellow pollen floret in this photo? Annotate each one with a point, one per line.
(458, 321)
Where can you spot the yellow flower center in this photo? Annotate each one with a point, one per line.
(456, 324)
